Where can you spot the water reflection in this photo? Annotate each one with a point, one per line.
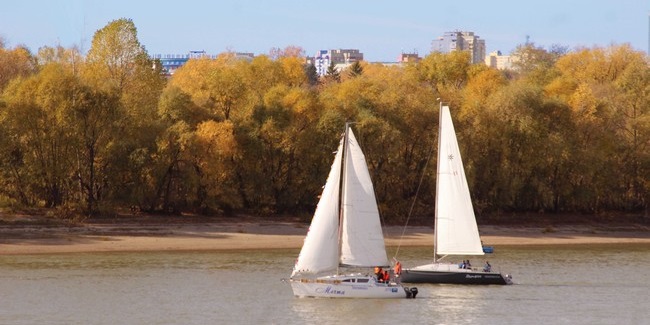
(342, 311)
(454, 303)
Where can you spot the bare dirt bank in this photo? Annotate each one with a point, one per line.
(161, 235)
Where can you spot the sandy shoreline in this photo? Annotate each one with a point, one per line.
(26, 239)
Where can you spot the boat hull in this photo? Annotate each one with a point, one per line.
(452, 275)
(348, 287)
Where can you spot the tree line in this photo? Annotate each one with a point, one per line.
(565, 131)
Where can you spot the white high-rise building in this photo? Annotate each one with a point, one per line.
(461, 41)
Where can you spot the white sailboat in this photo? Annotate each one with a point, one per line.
(455, 229)
(345, 232)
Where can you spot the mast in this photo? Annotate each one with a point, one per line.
(435, 222)
(344, 163)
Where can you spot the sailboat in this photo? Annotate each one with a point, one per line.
(345, 232)
(455, 229)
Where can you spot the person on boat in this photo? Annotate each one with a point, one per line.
(487, 267)
(386, 276)
(379, 273)
(468, 265)
(397, 270)
(462, 265)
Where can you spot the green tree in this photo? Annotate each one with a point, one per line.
(332, 74)
(312, 74)
(355, 69)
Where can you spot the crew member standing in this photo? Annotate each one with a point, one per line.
(397, 270)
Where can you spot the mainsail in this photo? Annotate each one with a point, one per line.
(362, 240)
(456, 229)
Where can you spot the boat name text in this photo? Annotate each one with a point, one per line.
(328, 290)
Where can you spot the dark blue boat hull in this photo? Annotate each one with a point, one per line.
(417, 276)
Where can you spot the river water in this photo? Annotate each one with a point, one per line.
(589, 284)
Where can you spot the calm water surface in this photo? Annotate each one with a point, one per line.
(554, 285)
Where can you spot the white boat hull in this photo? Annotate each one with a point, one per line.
(349, 286)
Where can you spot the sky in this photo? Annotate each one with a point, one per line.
(380, 29)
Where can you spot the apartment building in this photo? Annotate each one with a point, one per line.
(461, 41)
(340, 57)
(499, 61)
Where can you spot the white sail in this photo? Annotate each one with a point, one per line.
(456, 229)
(362, 238)
(320, 251)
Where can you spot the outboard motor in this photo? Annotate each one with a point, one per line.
(411, 292)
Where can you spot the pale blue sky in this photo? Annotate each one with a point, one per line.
(380, 29)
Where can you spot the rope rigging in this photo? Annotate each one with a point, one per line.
(417, 192)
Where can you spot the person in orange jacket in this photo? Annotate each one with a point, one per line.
(398, 268)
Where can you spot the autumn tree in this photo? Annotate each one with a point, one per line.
(394, 130)
(225, 87)
(71, 58)
(536, 63)
(40, 156)
(288, 52)
(270, 114)
(113, 55)
(118, 65)
(447, 73)
(92, 119)
(14, 63)
(275, 137)
(61, 128)
(607, 91)
(198, 107)
(564, 132)
(213, 146)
